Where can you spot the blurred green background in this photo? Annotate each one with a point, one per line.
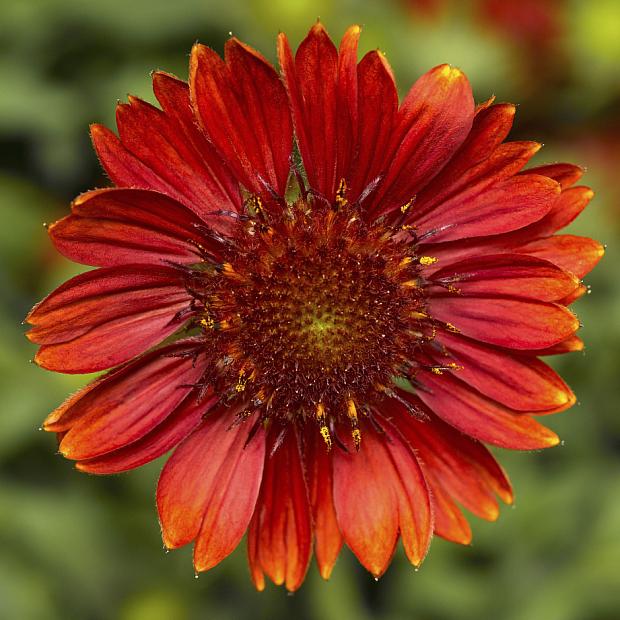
(74, 546)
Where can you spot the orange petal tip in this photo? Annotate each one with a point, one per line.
(450, 73)
(551, 440)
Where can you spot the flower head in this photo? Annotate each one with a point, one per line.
(328, 302)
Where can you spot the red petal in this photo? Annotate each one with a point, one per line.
(565, 174)
(376, 491)
(517, 275)
(463, 467)
(174, 96)
(415, 511)
(211, 189)
(242, 106)
(433, 121)
(208, 489)
(459, 181)
(107, 316)
(123, 168)
(280, 535)
(490, 127)
(511, 323)
(312, 84)
(520, 382)
(197, 175)
(121, 408)
(328, 540)
(174, 429)
(119, 226)
(579, 255)
(347, 128)
(570, 345)
(482, 418)
(377, 109)
(578, 293)
(366, 503)
(565, 209)
(478, 212)
(450, 523)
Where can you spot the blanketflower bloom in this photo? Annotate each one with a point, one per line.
(328, 302)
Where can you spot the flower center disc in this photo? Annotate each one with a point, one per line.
(317, 310)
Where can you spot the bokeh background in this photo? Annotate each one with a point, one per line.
(74, 546)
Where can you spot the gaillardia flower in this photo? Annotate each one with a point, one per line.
(325, 300)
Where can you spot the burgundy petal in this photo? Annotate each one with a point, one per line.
(107, 316)
(520, 382)
(432, 123)
(225, 94)
(120, 409)
(506, 322)
(174, 429)
(119, 226)
(482, 418)
(517, 275)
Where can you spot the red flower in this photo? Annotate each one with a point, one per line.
(345, 330)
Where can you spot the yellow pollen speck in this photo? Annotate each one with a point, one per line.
(454, 366)
(240, 387)
(357, 437)
(327, 438)
(407, 206)
(437, 371)
(207, 322)
(427, 260)
(453, 289)
(351, 409)
(254, 205)
(453, 328)
(341, 198)
(408, 227)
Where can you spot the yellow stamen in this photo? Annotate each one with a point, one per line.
(351, 410)
(320, 414)
(427, 260)
(241, 382)
(410, 284)
(419, 315)
(341, 192)
(407, 206)
(207, 322)
(254, 205)
(357, 437)
(327, 438)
